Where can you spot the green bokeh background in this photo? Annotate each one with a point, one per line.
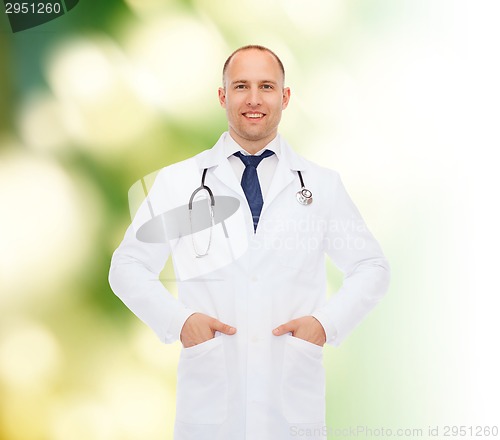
(398, 95)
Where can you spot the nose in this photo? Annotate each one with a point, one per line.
(253, 97)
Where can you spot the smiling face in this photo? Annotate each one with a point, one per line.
(254, 97)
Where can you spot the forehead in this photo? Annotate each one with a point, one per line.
(254, 64)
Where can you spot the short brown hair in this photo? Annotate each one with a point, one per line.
(249, 47)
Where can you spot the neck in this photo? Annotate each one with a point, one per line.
(249, 145)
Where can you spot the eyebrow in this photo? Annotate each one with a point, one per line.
(244, 81)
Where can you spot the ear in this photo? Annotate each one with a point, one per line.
(286, 98)
(222, 97)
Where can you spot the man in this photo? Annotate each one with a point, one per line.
(252, 325)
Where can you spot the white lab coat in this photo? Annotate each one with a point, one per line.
(254, 385)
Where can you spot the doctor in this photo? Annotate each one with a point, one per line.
(253, 328)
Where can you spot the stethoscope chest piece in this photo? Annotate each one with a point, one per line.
(304, 196)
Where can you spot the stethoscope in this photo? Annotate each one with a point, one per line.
(303, 196)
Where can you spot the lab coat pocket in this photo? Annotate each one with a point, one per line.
(202, 383)
(303, 382)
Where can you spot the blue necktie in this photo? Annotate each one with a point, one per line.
(250, 183)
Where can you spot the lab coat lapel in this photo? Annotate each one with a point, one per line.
(223, 174)
(283, 176)
(226, 175)
(286, 172)
(215, 158)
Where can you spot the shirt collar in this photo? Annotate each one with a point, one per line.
(231, 147)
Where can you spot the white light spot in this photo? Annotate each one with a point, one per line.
(45, 227)
(29, 355)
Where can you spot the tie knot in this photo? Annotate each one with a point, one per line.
(253, 161)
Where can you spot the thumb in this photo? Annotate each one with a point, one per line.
(289, 326)
(223, 328)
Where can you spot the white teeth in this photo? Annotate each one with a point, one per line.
(254, 115)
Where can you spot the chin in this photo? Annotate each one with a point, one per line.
(253, 136)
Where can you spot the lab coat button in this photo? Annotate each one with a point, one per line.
(254, 278)
(255, 339)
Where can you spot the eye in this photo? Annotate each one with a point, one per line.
(267, 86)
(240, 86)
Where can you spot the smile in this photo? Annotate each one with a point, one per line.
(254, 115)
